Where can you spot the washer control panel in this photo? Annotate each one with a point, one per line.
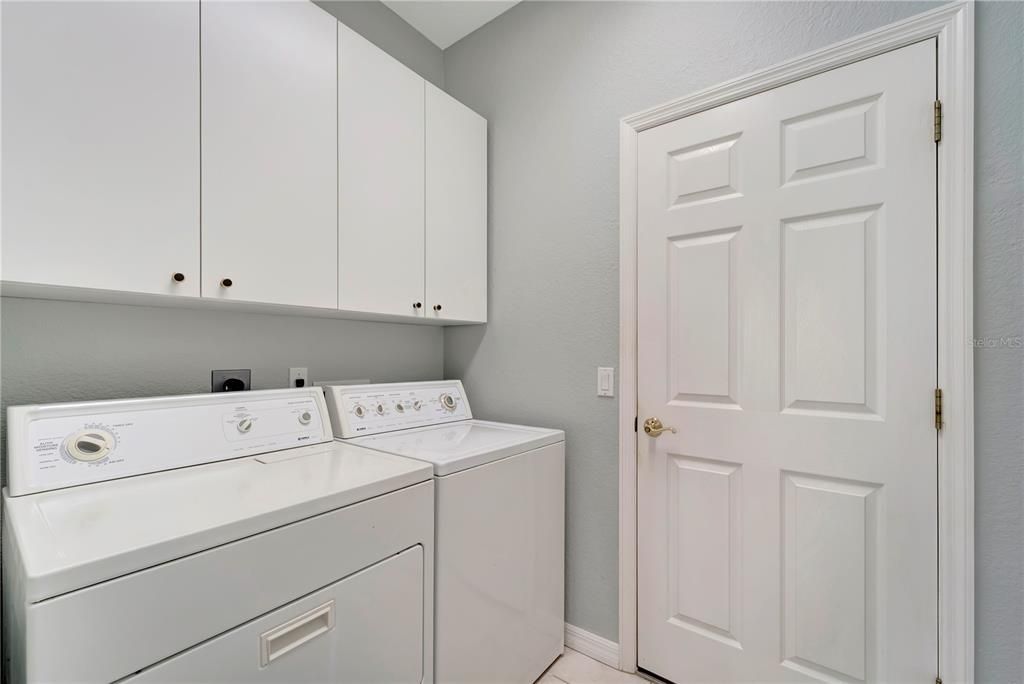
(358, 410)
(62, 445)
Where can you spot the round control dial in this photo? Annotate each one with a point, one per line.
(448, 402)
(89, 445)
(379, 408)
(400, 407)
(244, 424)
(359, 410)
(305, 417)
(417, 405)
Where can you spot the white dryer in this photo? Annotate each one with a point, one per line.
(500, 523)
(215, 538)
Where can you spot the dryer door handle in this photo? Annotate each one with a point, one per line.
(275, 642)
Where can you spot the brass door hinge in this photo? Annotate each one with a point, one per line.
(937, 121)
(938, 409)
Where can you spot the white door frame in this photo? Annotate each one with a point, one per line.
(953, 25)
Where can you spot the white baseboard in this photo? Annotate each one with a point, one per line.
(591, 645)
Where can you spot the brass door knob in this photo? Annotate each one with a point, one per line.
(653, 427)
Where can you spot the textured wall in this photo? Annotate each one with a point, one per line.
(553, 79)
(388, 31)
(999, 316)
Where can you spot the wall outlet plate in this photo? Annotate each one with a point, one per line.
(297, 374)
(236, 380)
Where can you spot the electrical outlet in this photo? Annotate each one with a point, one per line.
(298, 377)
(236, 380)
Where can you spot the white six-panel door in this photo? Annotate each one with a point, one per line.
(269, 152)
(787, 331)
(101, 145)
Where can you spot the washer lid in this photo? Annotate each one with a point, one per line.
(71, 538)
(457, 446)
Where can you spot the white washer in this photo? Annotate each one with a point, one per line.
(500, 530)
(262, 550)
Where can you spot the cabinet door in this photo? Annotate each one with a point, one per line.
(456, 210)
(380, 153)
(101, 145)
(269, 153)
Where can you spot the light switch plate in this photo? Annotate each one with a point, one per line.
(606, 382)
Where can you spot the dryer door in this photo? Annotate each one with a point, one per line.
(367, 627)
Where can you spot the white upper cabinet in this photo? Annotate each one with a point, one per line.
(381, 167)
(456, 210)
(269, 150)
(100, 145)
(244, 150)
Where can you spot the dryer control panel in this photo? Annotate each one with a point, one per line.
(62, 445)
(358, 410)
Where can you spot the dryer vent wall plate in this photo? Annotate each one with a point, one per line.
(237, 380)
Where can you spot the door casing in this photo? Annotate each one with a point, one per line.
(953, 26)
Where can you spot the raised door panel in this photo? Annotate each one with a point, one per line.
(269, 153)
(101, 145)
(456, 209)
(380, 175)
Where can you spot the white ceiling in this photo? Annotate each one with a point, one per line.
(446, 21)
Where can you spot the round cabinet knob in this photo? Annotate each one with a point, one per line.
(379, 409)
(178, 277)
(437, 307)
(227, 282)
(245, 425)
(417, 305)
(89, 445)
(417, 405)
(305, 417)
(359, 411)
(448, 402)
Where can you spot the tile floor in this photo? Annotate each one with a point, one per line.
(575, 668)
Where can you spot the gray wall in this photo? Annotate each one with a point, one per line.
(388, 31)
(553, 79)
(72, 351)
(998, 315)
